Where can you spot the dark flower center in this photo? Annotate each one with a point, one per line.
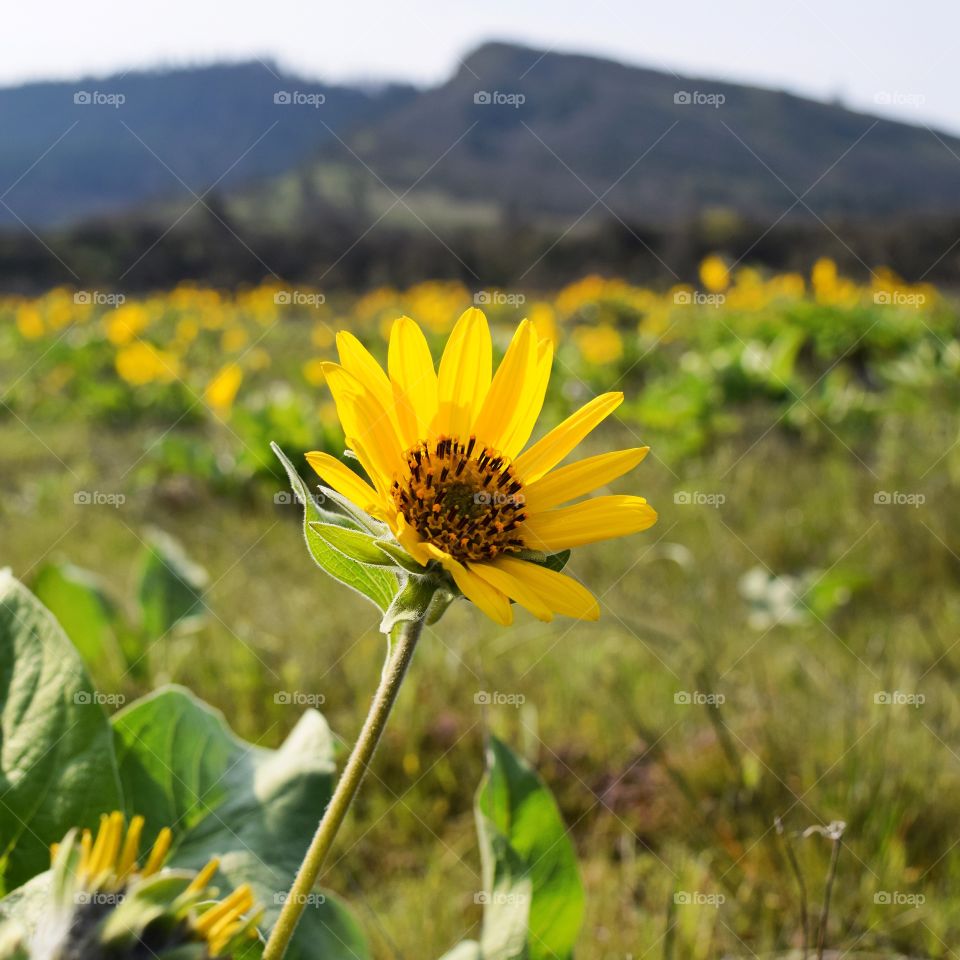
(461, 497)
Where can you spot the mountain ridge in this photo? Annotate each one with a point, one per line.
(591, 138)
(175, 130)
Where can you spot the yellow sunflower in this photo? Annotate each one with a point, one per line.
(444, 449)
(103, 886)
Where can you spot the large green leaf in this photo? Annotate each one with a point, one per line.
(57, 768)
(377, 585)
(171, 585)
(80, 602)
(255, 809)
(533, 898)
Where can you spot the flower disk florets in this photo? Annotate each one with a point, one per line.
(462, 497)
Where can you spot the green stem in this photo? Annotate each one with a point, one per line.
(406, 635)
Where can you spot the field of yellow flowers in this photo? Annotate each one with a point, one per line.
(233, 370)
(778, 655)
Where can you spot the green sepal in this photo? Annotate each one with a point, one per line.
(552, 561)
(379, 585)
(361, 519)
(400, 556)
(412, 602)
(354, 544)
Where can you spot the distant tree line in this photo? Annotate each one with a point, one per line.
(333, 252)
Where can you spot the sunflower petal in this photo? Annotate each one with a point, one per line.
(343, 480)
(532, 401)
(377, 470)
(560, 593)
(601, 518)
(488, 598)
(504, 403)
(464, 376)
(584, 476)
(514, 587)
(413, 378)
(356, 359)
(547, 452)
(363, 417)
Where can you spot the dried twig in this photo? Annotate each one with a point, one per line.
(834, 831)
(801, 885)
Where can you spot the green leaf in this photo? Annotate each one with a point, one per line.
(253, 808)
(57, 766)
(252, 951)
(783, 354)
(79, 601)
(533, 897)
(378, 586)
(171, 585)
(174, 753)
(353, 544)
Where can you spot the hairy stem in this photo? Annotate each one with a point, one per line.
(405, 640)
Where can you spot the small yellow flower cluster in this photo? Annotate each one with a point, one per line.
(218, 345)
(140, 363)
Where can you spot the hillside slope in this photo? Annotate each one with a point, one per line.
(63, 160)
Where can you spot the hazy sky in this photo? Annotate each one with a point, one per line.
(886, 57)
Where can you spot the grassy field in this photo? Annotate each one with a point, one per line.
(780, 645)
